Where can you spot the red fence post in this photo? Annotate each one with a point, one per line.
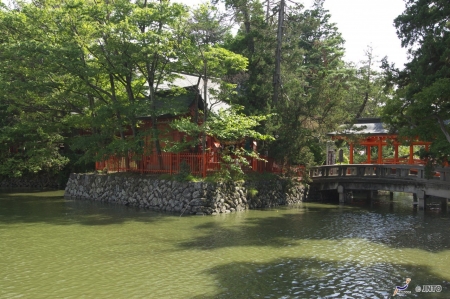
(171, 162)
(204, 164)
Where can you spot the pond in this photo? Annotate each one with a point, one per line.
(56, 248)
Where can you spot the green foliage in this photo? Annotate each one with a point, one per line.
(231, 166)
(82, 73)
(230, 125)
(29, 144)
(368, 91)
(421, 105)
(316, 83)
(252, 192)
(227, 126)
(185, 175)
(87, 71)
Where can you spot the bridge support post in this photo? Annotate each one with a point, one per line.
(391, 195)
(444, 204)
(421, 199)
(415, 201)
(340, 190)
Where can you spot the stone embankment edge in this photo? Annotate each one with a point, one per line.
(40, 181)
(202, 198)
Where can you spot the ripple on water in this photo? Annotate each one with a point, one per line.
(101, 251)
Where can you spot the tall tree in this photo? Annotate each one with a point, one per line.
(96, 65)
(369, 91)
(31, 133)
(203, 54)
(421, 106)
(311, 98)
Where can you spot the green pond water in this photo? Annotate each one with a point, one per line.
(51, 247)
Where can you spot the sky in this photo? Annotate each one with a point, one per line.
(369, 22)
(363, 23)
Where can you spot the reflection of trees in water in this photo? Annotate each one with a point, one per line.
(313, 278)
(50, 207)
(398, 227)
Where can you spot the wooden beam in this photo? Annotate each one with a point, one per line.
(411, 154)
(380, 152)
(395, 153)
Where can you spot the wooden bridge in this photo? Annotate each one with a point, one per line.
(372, 177)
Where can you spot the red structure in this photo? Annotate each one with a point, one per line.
(369, 132)
(198, 162)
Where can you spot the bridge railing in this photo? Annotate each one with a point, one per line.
(408, 172)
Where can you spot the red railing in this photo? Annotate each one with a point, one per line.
(198, 164)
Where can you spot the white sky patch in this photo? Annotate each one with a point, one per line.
(369, 22)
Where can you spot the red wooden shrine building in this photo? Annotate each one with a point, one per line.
(199, 163)
(371, 134)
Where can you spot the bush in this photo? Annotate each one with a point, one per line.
(252, 192)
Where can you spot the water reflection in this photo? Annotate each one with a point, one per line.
(314, 278)
(53, 248)
(330, 222)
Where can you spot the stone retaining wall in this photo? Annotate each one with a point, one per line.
(183, 197)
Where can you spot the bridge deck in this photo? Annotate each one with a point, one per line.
(396, 178)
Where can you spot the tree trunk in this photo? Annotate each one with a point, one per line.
(205, 105)
(277, 73)
(119, 118)
(155, 130)
(368, 83)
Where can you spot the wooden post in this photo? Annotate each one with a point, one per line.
(380, 152)
(351, 153)
(396, 153)
(204, 165)
(411, 154)
(368, 154)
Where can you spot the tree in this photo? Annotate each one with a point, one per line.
(203, 55)
(254, 40)
(369, 92)
(315, 86)
(312, 98)
(227, 126)
(90, 68)
(30, 136)
(421, 105)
